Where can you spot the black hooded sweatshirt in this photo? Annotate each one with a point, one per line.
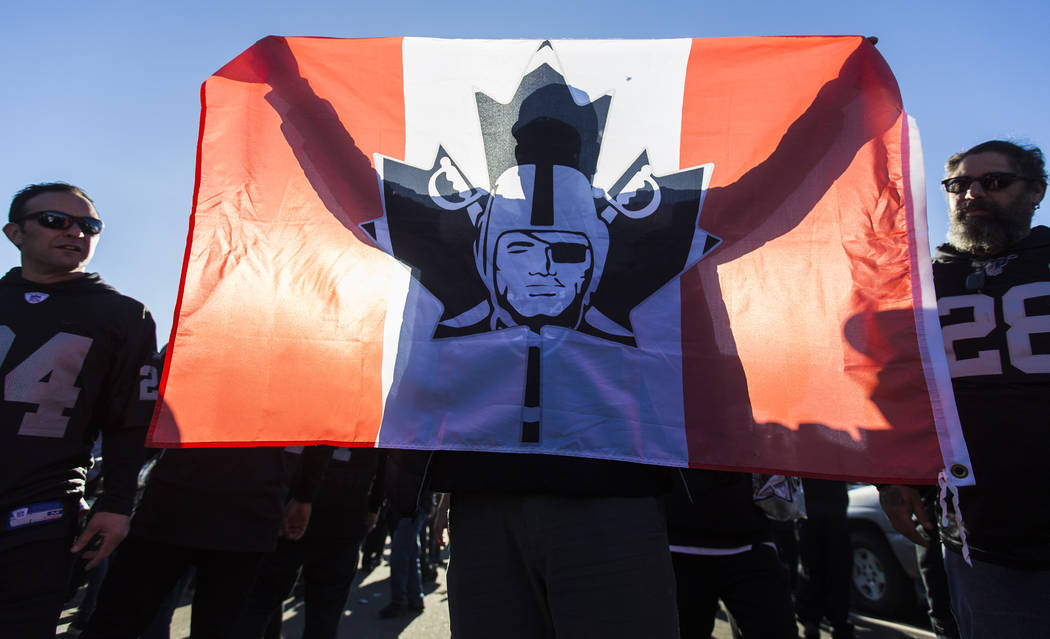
(75, 360)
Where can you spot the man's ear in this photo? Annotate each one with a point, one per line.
(1038, 193)
(14, 233)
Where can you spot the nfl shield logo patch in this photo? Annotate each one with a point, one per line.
(36, 298)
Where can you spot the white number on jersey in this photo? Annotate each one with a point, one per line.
(45, 378)
(1021, 327)
(149, 383)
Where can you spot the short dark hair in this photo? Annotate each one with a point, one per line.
(1027, 160)
(18, 203)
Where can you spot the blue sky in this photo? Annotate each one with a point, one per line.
(106, 94)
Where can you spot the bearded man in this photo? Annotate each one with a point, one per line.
(993, 296)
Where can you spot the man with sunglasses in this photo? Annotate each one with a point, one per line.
(75, 362)
(993, 296)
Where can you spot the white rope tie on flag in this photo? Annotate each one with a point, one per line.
(945, 486)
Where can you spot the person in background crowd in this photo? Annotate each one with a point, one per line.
(90, 579)
(72, 354)
(411, 507)
(827, 559)
(433, 538)
(992, 286)
(722, 548)
(375, 541)
(217, 509)
(934, 580)
(785, 536)
(342, 513)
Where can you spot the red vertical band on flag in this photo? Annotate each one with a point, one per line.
(805, 310)
(281, 289)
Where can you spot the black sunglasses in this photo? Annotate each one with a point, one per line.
(989, 182)
(61, 221)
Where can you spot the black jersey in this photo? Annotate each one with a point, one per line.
(75, 360)
(995, 317)
(714, 509)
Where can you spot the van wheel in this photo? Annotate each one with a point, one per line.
(880, 585)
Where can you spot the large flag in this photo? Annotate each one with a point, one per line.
(705, 253)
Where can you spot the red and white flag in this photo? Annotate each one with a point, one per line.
(706, 253)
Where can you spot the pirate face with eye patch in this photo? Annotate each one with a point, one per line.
(541, 247)
(542, 274)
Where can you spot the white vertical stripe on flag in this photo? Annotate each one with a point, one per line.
(935, 366)
(617, 401)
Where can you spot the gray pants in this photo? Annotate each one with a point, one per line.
(989, 600)
(530, 567)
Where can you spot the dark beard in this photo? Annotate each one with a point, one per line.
(992, 234)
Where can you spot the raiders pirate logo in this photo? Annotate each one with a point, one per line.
(995, 267)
